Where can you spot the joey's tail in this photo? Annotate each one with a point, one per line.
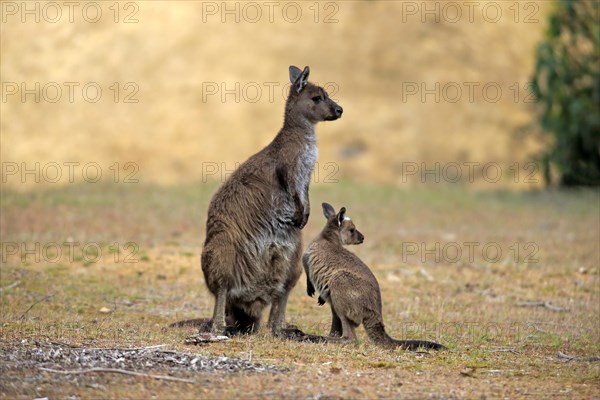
(376, 332)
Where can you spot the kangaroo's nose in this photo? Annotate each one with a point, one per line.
(338, 111)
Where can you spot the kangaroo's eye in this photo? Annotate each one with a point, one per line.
(317, 99)
(352, 230)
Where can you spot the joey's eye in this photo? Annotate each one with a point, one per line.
(317, 99)
(352, 230)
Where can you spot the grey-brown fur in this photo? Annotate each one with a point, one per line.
(251, 255)
(347, 284)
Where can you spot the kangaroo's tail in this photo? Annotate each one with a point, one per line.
(376, 332)
(203, 323)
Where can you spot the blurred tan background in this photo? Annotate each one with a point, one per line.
(176, 52)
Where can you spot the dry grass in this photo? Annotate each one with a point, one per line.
(470, 306)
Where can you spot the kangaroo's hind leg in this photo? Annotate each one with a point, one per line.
(285, 260)
(277, 314)
(336, 324)
(348, 328)
(216, 261)
(218, 321)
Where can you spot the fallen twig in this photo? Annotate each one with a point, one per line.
(567, 358)
(118, 371)
(545, 304)
(35, 304)
(538, 329)
(496, 371)
(108, 348)
(504, 350)
(12, 285)
(57, 343)
(125, 348)
(203, 338)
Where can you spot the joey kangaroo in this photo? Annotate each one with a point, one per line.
(347, 284)
(251, 255)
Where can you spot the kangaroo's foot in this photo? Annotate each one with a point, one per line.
(229, 330)
(292, 332)
(205, 325)
(289, 332)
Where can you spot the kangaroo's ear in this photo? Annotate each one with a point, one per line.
(299, 78)
(328, 210)
(295, 73)
(341, 215)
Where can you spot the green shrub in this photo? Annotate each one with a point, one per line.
(566, 84)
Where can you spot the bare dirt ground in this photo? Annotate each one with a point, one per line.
(93, 275)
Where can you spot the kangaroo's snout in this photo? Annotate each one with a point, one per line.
(336, 112)
(361, 238)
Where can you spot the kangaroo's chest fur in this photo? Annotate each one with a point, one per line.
(305, 164)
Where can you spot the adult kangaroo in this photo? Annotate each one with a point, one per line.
(251, 255)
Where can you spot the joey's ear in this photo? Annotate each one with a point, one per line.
(341, 215)
(328, 210)
(299, 78)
